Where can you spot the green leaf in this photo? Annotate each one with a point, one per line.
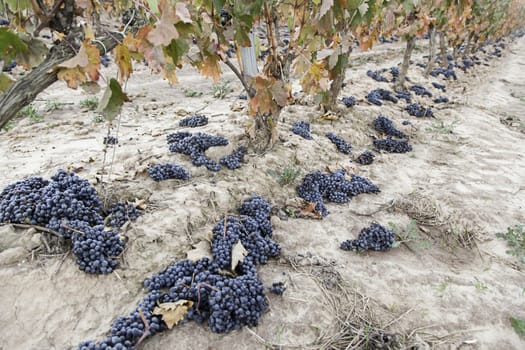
(111, 103)
(176, 49)
(219, 4)
(19, 5)
(10, 44)
(5, 82)
(518, 325)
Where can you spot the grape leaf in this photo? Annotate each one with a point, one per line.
(182, 13)
(164, 31)
(200, 250)
(238, 254)
(325, 7)
(123, 60)
(210, 68)
(72, 76)
(112, 100)
(35, 54)
(5, 82)
(10, 44)
(173, 313)
(91, 87)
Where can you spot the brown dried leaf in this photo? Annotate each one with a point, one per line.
(173, 313)
(210, 68)
(325, 7)
(123, 60)
(72, 76)
(200, 250)
(238, 254)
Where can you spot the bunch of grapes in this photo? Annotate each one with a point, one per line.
(340, 143)
(194, 121)
(439, 86)
(349, 101)
(278, 288)
(377, 95)
(395, 73)
(392, 145)
(386, 126)
(376, 76)
(195, 146)
(419, 111)
(441, 99)
(404, 95)
(165, 171)
(365, 158)
(9, 66)
(302, 129)
(374, 237)
(334, 187)
(446, 72)
(121, 212)
(420, 90)
(234, 160)
(110, 140)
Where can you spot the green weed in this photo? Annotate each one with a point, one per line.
(30, 112)
(518, 325)
(220, 90)
(54, 106)
(515, 237)
(90, 103)
(284, 176)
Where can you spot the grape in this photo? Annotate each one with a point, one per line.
(441, 99)
(439, 86)
(340, 143)
(334, 187)
(386, 126)
(302, 129)
(395, 73)
(376, 76)
(349, 101)
(225, 17)
(447, 73)
(167, 171)
(121, 212)
(374, 237)
(104, 59)
(110, 140)
(194, 121)
(234, 160)
(278, 288)
(392, 146)
(365, 158)
(9, 67)
(195, 145)
(404, 95)
(243, 97)
(419, 111)
(420, 90)
(375, 96)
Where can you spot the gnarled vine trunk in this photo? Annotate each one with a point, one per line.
(337, 83)
(443, 49)
(411, 44)
(431, 52)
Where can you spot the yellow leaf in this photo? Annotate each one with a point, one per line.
(123, 60)
(173, 313)
(238, 254)
(72, 76)
(5, 82)
(210, 68)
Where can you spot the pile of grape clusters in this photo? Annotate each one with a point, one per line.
(121, 212)
(439, 86)
(386, 126)
(195, 146)
(302, 129)
(395, 73)
(69, 206)
(374, 237)
(349, 101)
(404, 95)
(334, 187)
(392, 145)
(420, 90)
(416, 110)
(194, 121)
(234, 160)
(340, 143)
(165, 171)
(226, 303)
(441, 99)
(447, 73)
(375, 96)
(376, 75)
(365, 158)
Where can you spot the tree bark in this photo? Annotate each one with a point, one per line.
(25, 90)
(431, 52)
(411, 44)
(443, 49)
(337, 82)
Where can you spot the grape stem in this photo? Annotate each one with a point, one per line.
(146, 327)
(39, 228)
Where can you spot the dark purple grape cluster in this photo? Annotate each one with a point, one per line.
(420, 90)
(121, 212)
(104, 59)
(110, 140)
(416, 110)
(395, 73)
(4, 22)
(439, 86)
(165, 171)
(374, 237)
(278, 288)
(378, 95)
(234, 160)
(333, 187)
(302, 129)
(225, 16)
(195, 146)
(441, 99)
(226, 303)
(70, 206)
(446, 72)
(349, 101)
(392, 145)
(376, 75)
(194, 121)
(365, 158)
(9, 66)
(386, 126)
(405, 95)
(342, 145)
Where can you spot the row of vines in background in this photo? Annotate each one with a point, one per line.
(319, 36)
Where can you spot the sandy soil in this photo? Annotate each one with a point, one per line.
(450, 286)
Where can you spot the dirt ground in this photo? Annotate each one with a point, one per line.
(451, 285)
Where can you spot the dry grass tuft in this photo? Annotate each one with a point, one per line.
(421, 208)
